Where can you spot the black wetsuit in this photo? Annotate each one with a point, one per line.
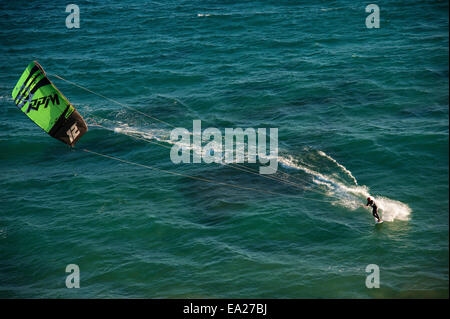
(372, 204)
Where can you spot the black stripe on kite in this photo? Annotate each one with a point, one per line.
(26, 91)
(24, 85)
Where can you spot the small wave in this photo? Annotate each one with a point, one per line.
(330, 9)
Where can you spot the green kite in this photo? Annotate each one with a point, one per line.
(46, 106)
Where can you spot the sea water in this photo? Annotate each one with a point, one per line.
(359, 112)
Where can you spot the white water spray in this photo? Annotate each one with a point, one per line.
(340, 166)
(349, 196)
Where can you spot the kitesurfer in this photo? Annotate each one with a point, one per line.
(371, 203)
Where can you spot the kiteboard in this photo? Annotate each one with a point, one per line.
(378, 222)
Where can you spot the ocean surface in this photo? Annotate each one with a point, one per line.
(359, 112)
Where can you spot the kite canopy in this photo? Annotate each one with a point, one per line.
(46, 106)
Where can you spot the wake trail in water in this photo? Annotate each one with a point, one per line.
(339, 192)
(348, 196)
(321, 153)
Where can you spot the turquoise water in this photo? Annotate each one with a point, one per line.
(350, 103)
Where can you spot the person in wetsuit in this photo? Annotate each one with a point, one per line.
(371, 203)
